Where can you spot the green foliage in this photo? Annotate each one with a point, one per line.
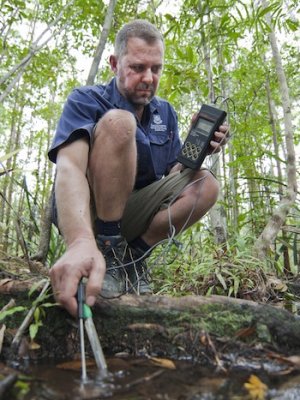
(41, 304)
(200, 267)
(21, 388)
(11, 311)
(34, 327)
(56, 247)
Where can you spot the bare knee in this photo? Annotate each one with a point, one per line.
(204, 187)
(212, 185)
(116, 125)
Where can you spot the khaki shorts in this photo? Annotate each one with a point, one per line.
(144, 203)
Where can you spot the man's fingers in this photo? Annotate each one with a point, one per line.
(224, 128)
(220, 139)
(94, 284)
(65, 301)
(65, 287)
(71, 268)
(70, 304)
(216, 147)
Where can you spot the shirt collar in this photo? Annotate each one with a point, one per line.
(113, 95)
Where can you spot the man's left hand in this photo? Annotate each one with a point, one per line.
(220, 138)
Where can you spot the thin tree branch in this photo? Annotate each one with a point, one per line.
(35, 46)
(102, 42)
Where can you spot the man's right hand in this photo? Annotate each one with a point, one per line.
(82, 259)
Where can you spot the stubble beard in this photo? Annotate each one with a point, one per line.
(138, 100)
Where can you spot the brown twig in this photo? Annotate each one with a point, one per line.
(146, 378)
(2, 330)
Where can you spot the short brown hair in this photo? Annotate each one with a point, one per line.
(138, 28)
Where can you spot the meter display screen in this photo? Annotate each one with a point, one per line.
(204, 125)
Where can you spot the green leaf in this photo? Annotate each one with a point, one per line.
(190, 54)
(209, 290)
(37, 314)
(9, 155)
(292, 25)
(180, 53)
(33, 330)
(236, 285)
(11, 311)
(48, 305)
(221, 280)
(265, 11)
(36, 286)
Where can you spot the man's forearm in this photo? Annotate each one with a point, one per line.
(73, 205)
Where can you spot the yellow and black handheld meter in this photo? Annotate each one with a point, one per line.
(194, 149)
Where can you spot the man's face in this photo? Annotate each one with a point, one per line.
(138, 71)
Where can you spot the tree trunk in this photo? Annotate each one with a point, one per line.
(45, 232)
(217, 213)
(101, 45)
(269, 233)
(275, 134)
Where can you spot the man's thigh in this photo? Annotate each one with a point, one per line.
(144, 203)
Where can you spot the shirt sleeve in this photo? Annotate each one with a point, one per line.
(80, 114)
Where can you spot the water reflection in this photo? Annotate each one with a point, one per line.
(141, 379)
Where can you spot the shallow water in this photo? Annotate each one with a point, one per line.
(141, 379)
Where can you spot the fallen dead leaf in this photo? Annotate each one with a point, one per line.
(256, 388)
(277, 284)
(5, 281)
(245, 332)
(291, 360)
(163, 362)
(75, 365)
(295, 360)
(146, 326)
(34, 345)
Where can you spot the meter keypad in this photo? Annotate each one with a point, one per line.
(191, 150)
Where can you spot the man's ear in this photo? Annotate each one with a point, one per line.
(113, 63)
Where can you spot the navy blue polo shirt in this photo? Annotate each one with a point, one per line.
(157, 136)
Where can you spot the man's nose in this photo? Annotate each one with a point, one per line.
(147, 76)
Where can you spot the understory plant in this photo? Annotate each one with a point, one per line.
(194, 264)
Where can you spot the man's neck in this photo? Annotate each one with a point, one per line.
(139, 112)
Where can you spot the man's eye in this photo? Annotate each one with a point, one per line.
(156, 69)
(137, 68)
